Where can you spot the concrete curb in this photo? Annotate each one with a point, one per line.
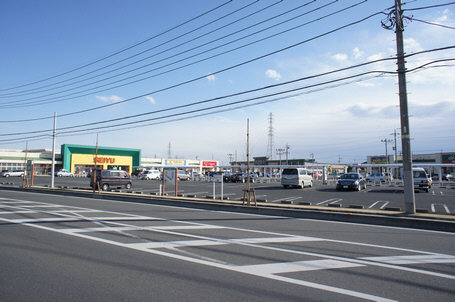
(352, 215)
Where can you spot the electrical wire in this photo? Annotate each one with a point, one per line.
(200, 110)
(228, 104)
(429, 23)
(24, 102)
(204, 76)
(122, 50)
(428, 7)
(255, 89)
(36, 90)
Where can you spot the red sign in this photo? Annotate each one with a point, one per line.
(209, 163)
(104, 160)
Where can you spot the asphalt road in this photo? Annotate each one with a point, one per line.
(59, 248)
(440, 199)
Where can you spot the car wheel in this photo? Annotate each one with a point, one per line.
(128, 186)
(6, 175)
(285, 186)
(311, 184)
(105, 187)
(303, 185)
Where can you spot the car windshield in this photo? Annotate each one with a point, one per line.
(350, 176)
(290, 172)
(420, 174)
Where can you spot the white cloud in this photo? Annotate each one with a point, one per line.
(112, 98)
(340, 57)
(375, 57)
(273, 74)
(412, 45)
(211, 77)
(357, 53)
(150, 99)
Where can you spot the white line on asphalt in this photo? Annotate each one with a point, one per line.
(413, 259)
(215, 264)
(196, 193)
(385, 203)
(433, 207)
(238, 213)
(298, 266)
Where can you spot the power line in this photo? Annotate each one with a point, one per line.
(428, 7)
(225, 69)
(254, 90)
(122, 50)
(429, 23)
(251, 90)
(21, 93)
(218, 106)
(57, 98)
(97, 129)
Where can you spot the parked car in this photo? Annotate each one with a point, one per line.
(181, 175)
(298, 177)
(63, 173)
(375, 177)
(447, 177)
(421, 179)
(351, 181)
(7, 173)
(110, 178)
(151, 174)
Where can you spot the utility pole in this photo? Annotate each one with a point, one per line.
(386, 141)
(54, 134)
(280, 151)
(270, 137)
(395, 18)
(395, 159)
(287, 153)
(230, 155)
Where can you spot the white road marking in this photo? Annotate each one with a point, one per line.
(414, 259)
(278, 239)
(194, 193)
(289, 280)
(298, 266)
(330, 201)
(173, 244)
(239, 213)
(384, 204)
(433, 207)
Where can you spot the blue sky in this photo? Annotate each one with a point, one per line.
(45, 39)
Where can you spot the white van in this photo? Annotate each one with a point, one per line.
(421, 179)
(298, 177)
(151, 174)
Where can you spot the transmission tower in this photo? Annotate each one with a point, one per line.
(270, 137)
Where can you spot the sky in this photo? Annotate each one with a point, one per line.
(189, 74)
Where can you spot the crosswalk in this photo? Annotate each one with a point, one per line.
(145, 234)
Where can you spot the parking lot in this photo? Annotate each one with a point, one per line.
(379, 196)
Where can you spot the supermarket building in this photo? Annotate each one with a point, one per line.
(80, 160)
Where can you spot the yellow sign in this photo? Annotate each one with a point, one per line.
(102, 161)
(176, 162)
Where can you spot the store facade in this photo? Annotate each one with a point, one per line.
(80, 159)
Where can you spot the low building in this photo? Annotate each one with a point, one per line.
(81, 159)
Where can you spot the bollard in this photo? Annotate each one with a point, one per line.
(213, 189)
